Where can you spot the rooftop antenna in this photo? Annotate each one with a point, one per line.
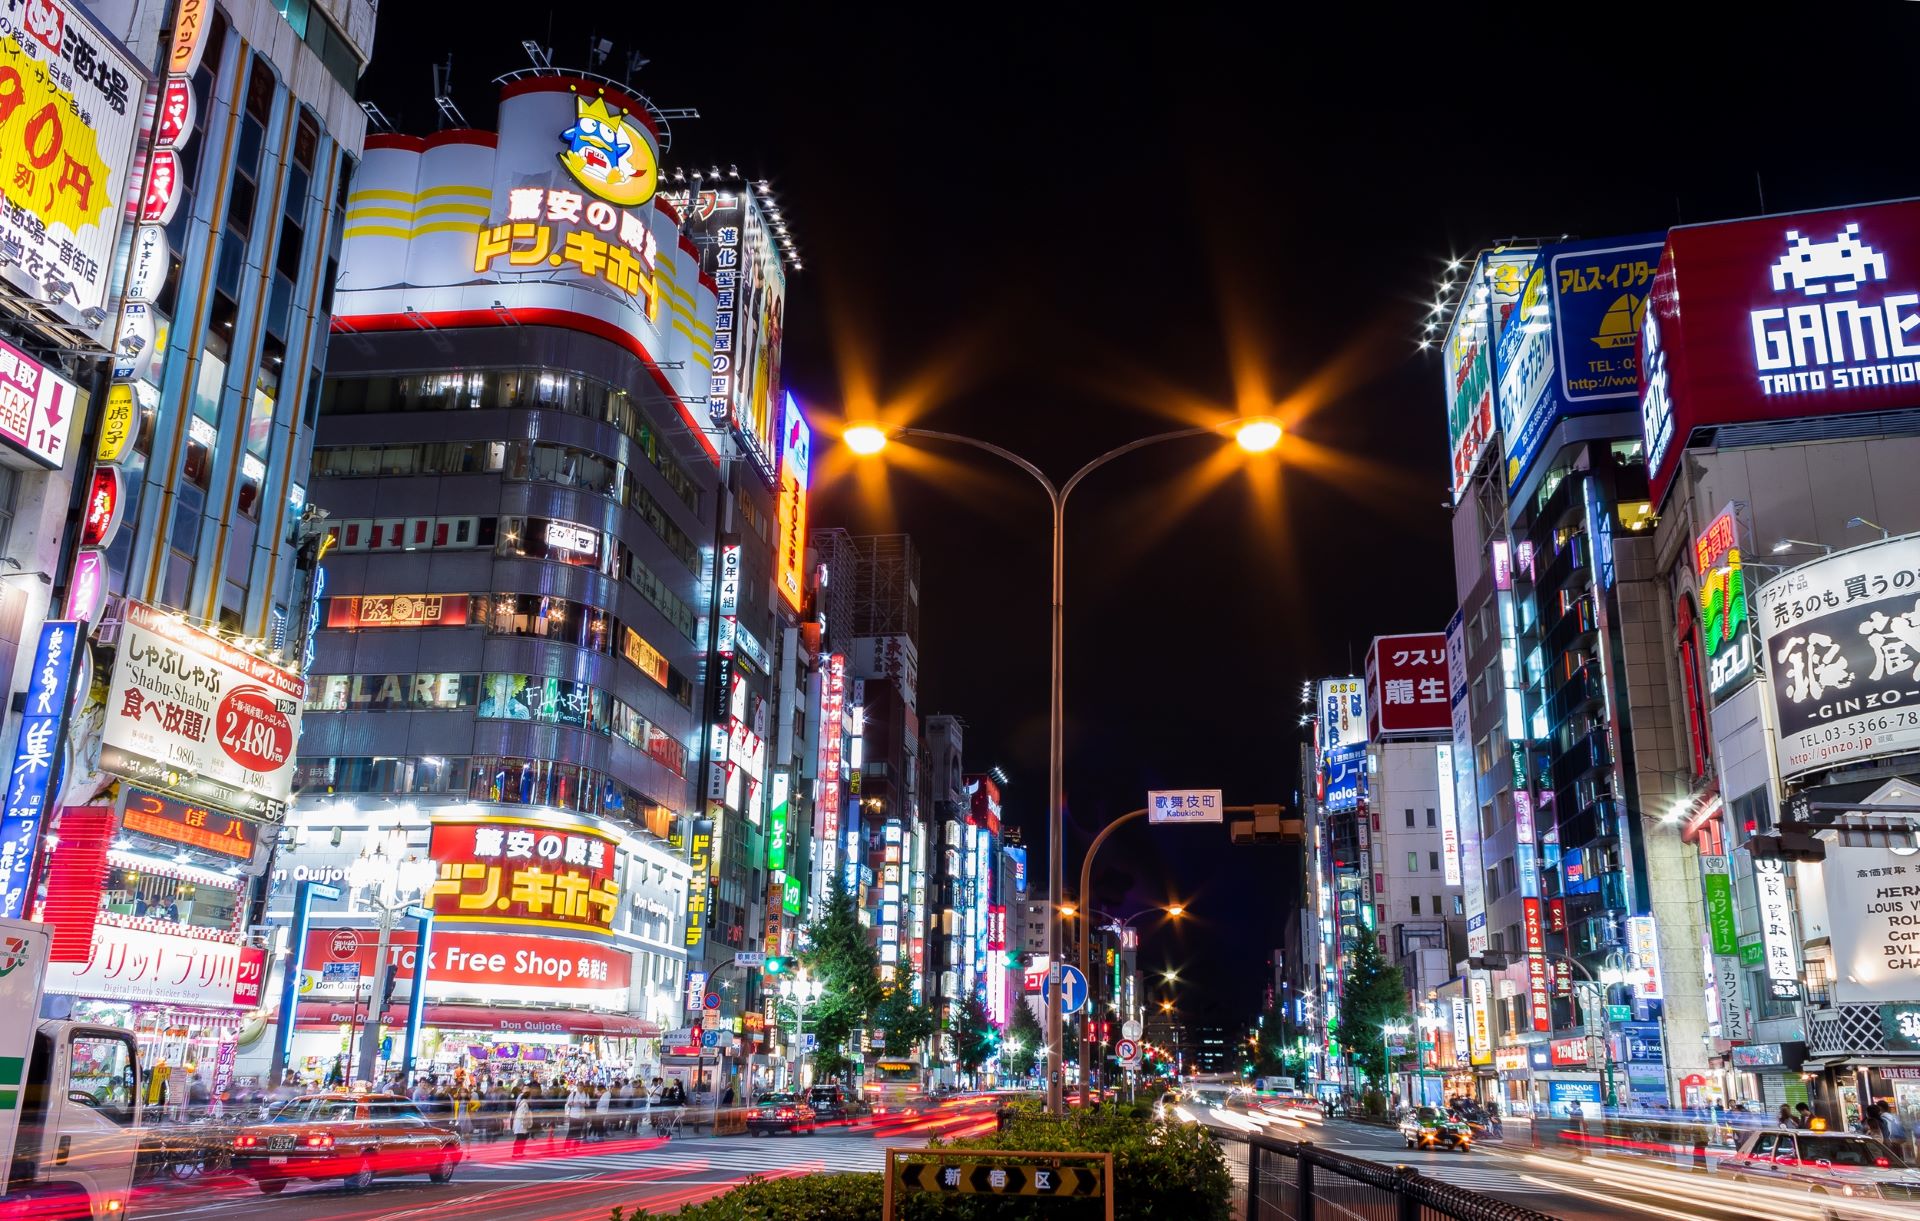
(598, 49)
(541, 57)
(635, 62)
(442, 94)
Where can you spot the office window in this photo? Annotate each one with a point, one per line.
(1433, 861)
(1437, 909)
(1413, 862)
(1409, 818)
(1430, 818)
(1415, 902)
(1459, 905)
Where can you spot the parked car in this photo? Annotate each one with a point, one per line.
(1433, 1128)
(787, 1113)
(1825, 1163)
(351, 1137)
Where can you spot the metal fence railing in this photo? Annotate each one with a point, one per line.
(1299, 1181)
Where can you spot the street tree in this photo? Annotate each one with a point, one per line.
(841, 958)
(1373, 996)
(974, 1038)
(1025, 1037)
(906, 1024)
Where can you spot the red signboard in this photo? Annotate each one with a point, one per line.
(1568, 1053)
(75, 876)
(511, 960)
(1407, 685)
(519, 871)
(183, 822)
(1785, 317)
(250, 973)
(1539, 985)
(398, 610)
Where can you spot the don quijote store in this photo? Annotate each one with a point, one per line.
(177, 772)
(1780, 402)
(553, 952)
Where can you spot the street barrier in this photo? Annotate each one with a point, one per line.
(1299, 1181)
(997, 1172)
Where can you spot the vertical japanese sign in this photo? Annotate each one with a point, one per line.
(826, 802)
(1482, 1042)
(699, 855)
(35, 755)
(1643, 955)
(741, 252)
(1716, 885)
(1466, 789)
(796, 455)
(1449, 814)
(1539, 984)
(1725, 627)
(1407, 685)
(1462, 1043)
(1492, 290)
(1343, 714)
(69, 115)
(1842, 640)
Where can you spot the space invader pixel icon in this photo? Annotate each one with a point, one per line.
(1843, 264)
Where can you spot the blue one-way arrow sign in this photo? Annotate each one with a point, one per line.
(1074, 992)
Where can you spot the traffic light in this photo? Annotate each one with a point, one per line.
(773, 964)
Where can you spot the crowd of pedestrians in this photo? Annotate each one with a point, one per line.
(558, 1112)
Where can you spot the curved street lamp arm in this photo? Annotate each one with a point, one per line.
(1053, 493)
(1074, 481)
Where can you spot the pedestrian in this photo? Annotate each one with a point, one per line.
(1785, 1117)
(1802, 1116)
(522, 1121)
(602, 1112)
(576, 1114)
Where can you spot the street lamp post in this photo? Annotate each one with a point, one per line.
(1613, 974)
(1388, 1029)
(392, 879)
(1255, 435)
(802, 990)
(1174, 910)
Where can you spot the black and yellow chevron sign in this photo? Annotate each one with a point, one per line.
(980, 1179)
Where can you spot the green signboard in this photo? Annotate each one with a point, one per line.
(1619, 1013)
(1717, 885)
(1752, 953)
(1900, 1025)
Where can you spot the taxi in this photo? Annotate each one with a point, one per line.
(353, 1138)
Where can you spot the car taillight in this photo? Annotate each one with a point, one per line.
(784, 1113)
(1882, 1162)
(321, 1141)
(245, 1142)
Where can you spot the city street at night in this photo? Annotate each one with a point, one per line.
(1184, 614)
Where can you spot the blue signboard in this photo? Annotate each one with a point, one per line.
(1073, 990)
(1018, 855)
(1642, 1040)
(1568, 347)
(1346, 778)
(1561, 1094)
(42, 732)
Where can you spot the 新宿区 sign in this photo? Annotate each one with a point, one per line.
(188, 713)
(523, 871)
(1407, 685)
(1779, 318)
(1842, 641)
(69, 114)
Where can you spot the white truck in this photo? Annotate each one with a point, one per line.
(69, 1098)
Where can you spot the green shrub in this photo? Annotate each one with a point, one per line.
(1171, 1172)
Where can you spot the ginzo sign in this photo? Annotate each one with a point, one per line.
(1780, 318)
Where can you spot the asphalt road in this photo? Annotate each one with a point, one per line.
(1600, 1188)
(560, 1183)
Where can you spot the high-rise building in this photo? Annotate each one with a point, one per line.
(188, 550)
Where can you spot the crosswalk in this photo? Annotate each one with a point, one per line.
(1476, 1171)
(814, 1154)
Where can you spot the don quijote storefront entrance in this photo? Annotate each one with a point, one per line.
(531, 965)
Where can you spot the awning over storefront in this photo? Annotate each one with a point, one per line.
(321, 1015)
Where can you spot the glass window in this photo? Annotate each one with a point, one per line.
(1413, 862)
(145, 895)
(101, 1076)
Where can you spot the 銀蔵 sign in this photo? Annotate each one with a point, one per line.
(516, 871)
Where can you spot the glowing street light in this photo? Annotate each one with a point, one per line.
(1258, 436)
(865, 439)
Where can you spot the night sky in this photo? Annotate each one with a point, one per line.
(1063, 233)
